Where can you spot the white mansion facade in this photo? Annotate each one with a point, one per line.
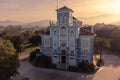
(68, 43)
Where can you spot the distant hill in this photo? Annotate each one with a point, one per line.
(43, 23)
(118, 22)
(9, 22)
(104, 18)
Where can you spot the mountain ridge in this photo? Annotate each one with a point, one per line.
(103, 18)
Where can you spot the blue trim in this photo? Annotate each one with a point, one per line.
(91, 46)
(71, 58)
(75, 54)
(79, 46)
(69, 41)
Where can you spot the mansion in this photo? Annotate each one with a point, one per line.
(69, 43)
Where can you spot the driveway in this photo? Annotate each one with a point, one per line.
(33, 73)
(111, 69)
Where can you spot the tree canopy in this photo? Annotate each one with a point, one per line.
(8, 59)
(115, 41)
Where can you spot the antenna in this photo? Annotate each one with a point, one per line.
(57, 4)
(64, 3)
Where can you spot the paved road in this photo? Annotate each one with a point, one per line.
(111, 70)
(34, 73)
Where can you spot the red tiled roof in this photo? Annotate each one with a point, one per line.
(85, 31)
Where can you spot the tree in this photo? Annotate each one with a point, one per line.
(98, 43)
(8, 59)
(33, 54)
(18, 42)
(35, 40)
(99, 46)
(115, 41)
(27, 34)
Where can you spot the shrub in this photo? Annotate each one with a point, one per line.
(73, 68)
(43, 61)
(87, 67)
(33, 55)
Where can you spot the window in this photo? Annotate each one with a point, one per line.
(85, 52)
(60, 19)
(55, 34)
(72, 53)
(47, 43)
(55, 52)
(55, 43)
(72, 34)
(65, 19)
(63, 31)
(85, 43)
(63, 43)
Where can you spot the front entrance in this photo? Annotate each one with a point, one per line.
(63, 59)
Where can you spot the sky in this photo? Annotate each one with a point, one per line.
(36, 10)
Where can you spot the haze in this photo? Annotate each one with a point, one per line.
(89, 11)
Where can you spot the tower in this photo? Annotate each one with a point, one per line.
(64, 16)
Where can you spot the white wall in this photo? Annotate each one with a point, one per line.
(72, 62)
(55, 60)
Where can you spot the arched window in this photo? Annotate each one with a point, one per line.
(63, 31)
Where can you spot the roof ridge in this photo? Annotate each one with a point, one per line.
(64, 7)
(86, 30)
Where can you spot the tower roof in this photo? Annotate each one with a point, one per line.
(64, 9)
